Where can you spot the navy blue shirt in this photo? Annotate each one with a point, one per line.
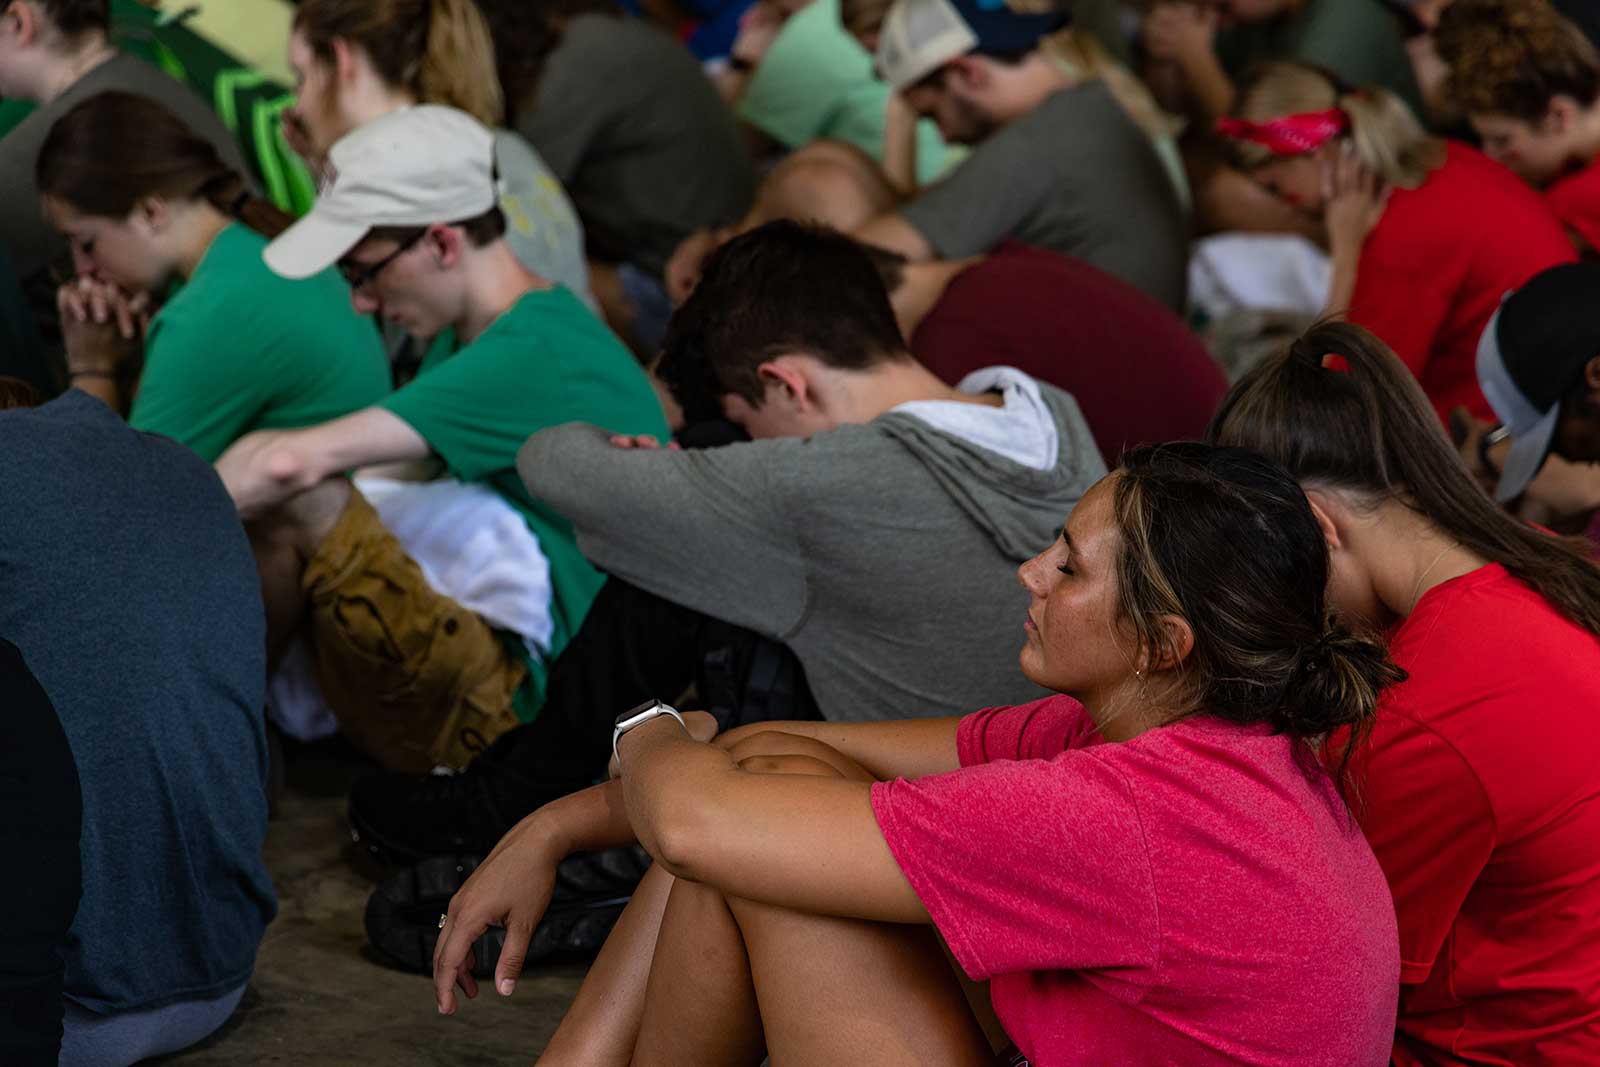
(127, 581)
(41, 815)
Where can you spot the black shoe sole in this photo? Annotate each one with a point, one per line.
(402, 920)
(388, 851)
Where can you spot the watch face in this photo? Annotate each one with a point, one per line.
(634, 712)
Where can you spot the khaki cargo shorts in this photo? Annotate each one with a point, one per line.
(416, 680)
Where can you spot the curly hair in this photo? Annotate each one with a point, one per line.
(1512, 57)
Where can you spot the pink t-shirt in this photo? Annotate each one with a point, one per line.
(1192, 897)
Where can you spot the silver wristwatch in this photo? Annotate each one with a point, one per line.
(650, 709)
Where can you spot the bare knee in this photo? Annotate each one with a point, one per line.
(306, 519)
(775, 752)
(808, 765)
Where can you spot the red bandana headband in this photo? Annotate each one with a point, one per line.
(1292, 135)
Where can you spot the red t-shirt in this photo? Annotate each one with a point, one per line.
(1576, 201)
(1138, 374)
(1481, 794)
(1439, 262)
(1194, 896)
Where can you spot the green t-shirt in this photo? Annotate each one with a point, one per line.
(1359, 40)
(816, 81)
(238, 348)
(546, 361)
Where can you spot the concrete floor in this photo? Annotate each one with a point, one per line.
(319, 998)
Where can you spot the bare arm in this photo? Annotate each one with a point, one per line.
(1179, 39)
(796, 841)
(1355, 200)
(900, 144)
(906, 749)
(1211, 91)
(891, 231)
(512, 886)
(263, 469)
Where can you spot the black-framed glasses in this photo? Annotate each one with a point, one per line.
(358, 275)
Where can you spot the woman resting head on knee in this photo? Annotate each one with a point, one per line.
(1153, 866)
(1392, 198)
(1479, 779)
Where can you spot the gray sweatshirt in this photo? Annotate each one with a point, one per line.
(884, 555)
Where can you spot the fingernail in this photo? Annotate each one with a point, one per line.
(507, 987)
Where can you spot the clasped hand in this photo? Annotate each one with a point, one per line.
(103, 326)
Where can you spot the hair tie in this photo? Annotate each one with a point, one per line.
(1317, 651)
(1292, 135)
(236, 208)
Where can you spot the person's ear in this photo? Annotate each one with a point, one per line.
(447, 243)
(1560, 116)
(1177, 641)
(1324, 508)
(783, 382)
(1591, 375)
(346, 64)
(154, 212)
(25, 21)
(970, 74)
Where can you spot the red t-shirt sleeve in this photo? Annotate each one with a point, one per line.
(1042, 729)
(1430, 824)
(1030, 866)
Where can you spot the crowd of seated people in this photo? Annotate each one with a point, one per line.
(773, 501)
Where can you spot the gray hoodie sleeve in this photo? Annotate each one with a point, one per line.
(709, 529)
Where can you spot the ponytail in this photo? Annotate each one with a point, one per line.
(1225, 539)
(1389, 139)
(458, 66)
(439, 51)
(1333, 687)
(1365, 427)
(230, 194)
(115, 149)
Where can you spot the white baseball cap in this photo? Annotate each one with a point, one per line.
(413, 167)
(920, 36)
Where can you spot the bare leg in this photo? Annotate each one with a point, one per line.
(602, 1024)
(282, 543)
(818, 989)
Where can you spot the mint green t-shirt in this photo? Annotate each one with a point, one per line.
(238, 348)
(546, 361)
(816, 81)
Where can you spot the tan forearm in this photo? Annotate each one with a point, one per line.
(589, 819)
(909, 748)
(1211, 92)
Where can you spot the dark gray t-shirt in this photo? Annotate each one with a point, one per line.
(23, 231)
(1074, 175)
(128, 584)
(637, 134)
